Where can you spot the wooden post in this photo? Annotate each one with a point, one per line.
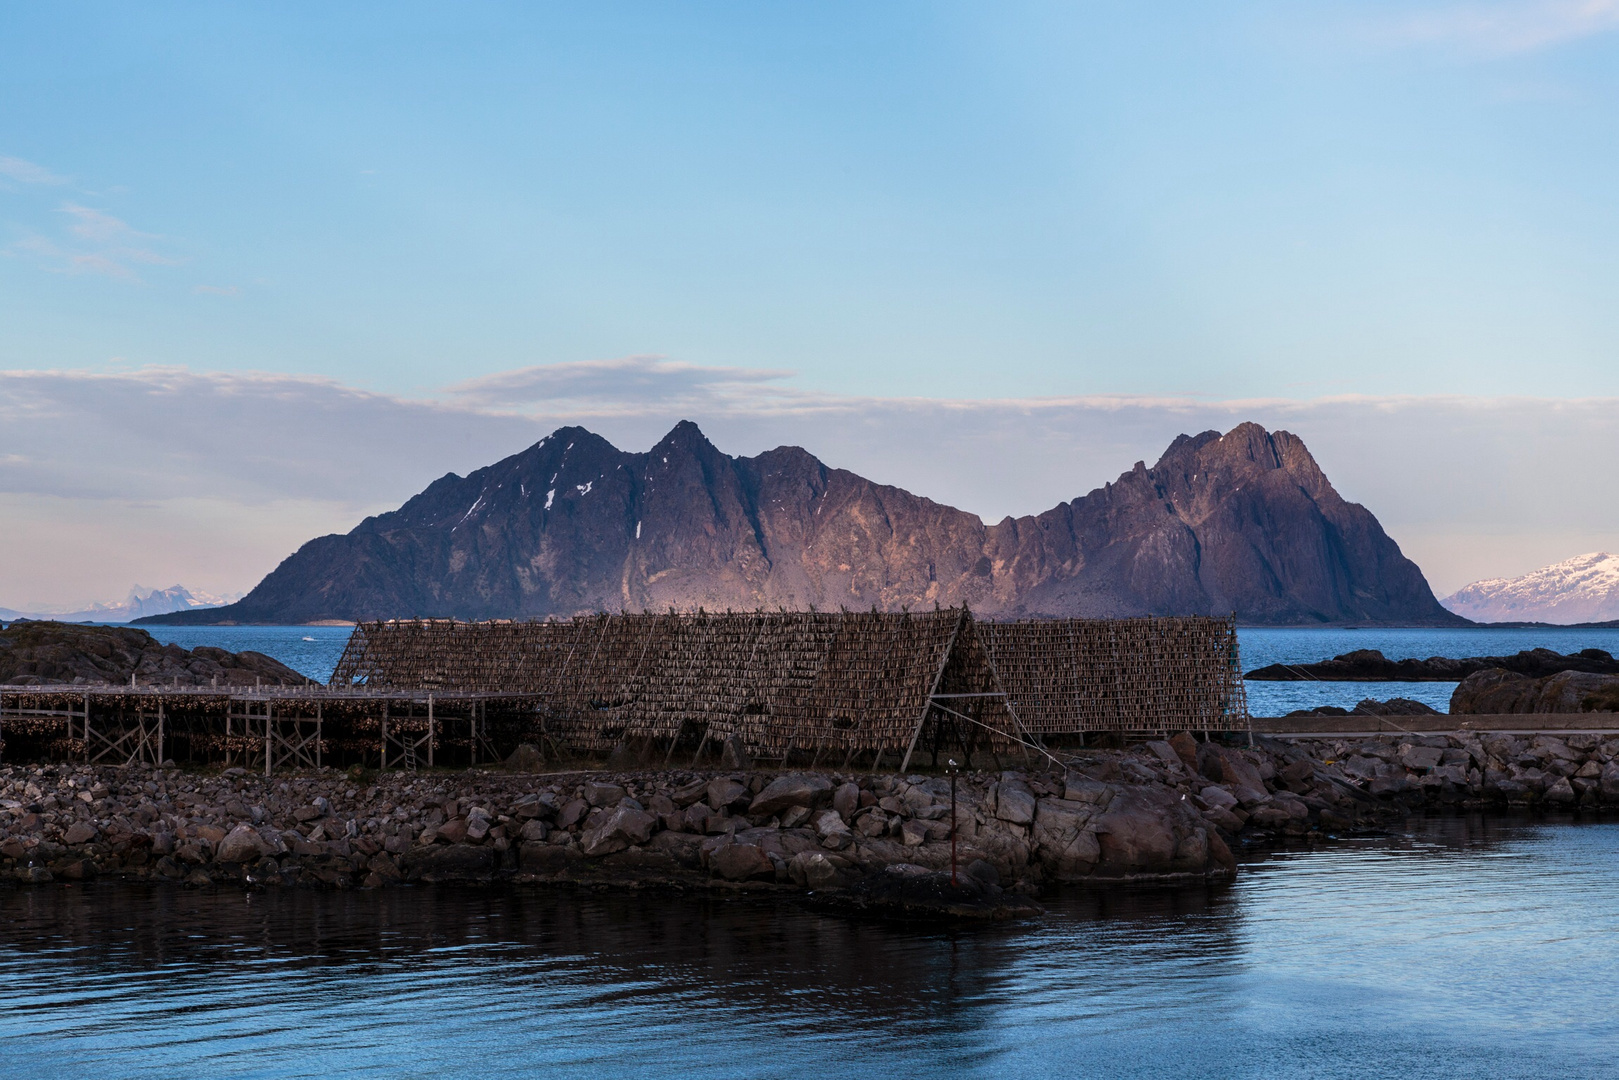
(384, 736)
(268, 710)
(87, 728)
(317, 734)
(429, 731)
(158, 752)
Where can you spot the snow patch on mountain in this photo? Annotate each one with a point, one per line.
(138, 604)
(1582, 589)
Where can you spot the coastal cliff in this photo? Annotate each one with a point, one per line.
(1244, 522)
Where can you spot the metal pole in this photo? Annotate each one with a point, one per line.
(953, 770)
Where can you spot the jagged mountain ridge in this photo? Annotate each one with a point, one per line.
(1242, 522)
(1578, 590)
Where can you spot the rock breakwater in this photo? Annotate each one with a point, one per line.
(1162, 811)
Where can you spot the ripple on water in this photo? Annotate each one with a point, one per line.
(1462, 948)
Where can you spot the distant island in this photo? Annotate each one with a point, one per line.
(1243, 522)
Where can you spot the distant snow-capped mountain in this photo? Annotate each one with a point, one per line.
(1582, 589)
(139, 603)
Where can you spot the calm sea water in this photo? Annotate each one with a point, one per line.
(1459, 948)
(1278, 646)
(314, 651)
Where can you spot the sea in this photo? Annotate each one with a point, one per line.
(1459, 946)
(314, 651)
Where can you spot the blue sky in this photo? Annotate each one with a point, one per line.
(869, 202)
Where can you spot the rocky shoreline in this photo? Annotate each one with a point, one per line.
(1162, 811)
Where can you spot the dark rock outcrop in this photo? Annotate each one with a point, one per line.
(1370, 665)
(1497, 690)
(1242, 522)
(1398, 706)
(36, 653)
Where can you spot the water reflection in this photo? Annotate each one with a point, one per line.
(1460, 947)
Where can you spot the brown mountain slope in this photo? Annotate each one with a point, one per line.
(1242, 522)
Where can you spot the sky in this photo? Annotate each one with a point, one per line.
(265, 269)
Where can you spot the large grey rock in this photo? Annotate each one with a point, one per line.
(1420, 757)
(1014, 802)
(1064, 846)
(796, 789)
(813, 870)
(846, 800)
(242, 845)
(1610, 781)
(618, 829)
(603, 794)
(81, 832)
(725, 793)
(741, 862)
(1242, 777)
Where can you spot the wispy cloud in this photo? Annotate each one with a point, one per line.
(1502, 28)
(26, 172)
(625, 383)
(96, 242)
(217, 290)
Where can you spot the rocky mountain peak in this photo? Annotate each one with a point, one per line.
(1239, 522)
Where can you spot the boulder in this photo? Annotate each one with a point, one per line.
(1561, 793)
(1610, 781)
(813, 870)
(617, 830)
(741, 862)
(242, 845)
(795, 789)
(81, 832)
(1241, 776)
(846, 800)
(1420, 757)
(833, 830)
(725, 793)
(1014, 802)
(1186, 749)
(1141, 833)
(1063, 844)
(573, 811)
(603, 794)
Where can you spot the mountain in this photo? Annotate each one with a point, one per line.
(1242, 522)
(1578, 590)
(140, 602)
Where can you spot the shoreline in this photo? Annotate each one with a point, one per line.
(1175, 811)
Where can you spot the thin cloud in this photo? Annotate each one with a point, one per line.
(95, 242)
(1503, 29)
(26, 172)
(616, 385)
